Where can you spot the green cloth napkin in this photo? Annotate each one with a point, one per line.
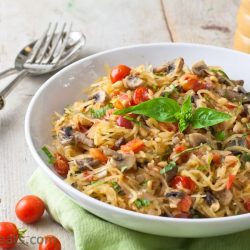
(93, 233)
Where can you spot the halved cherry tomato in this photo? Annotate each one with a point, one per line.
(180, 148)
(230, 181)
(123, 122)
(247, 205)
(183, 182)
(98, 154)
(50, 242)
(61, 165)
(8, 235)
(185, 203)
(231, 105)
(30, 209)
(135, 145)
(119, 72)
(216, 159)
(140, 95)
(248, 141)
(191, 81)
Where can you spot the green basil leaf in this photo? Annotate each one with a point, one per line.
(167, 168)
(161, 109)
(205, 117)
(185, 116)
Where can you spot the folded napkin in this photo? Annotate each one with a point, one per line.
(93, 233)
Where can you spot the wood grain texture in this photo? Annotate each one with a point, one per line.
(202, 21)
(106, 24)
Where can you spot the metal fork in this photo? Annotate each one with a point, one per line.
(44, 57)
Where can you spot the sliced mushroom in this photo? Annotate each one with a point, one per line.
(100, 96)
(209, 198)
(224, 197)
(175, 194)
(246, 109)
(238, 82)
(238, 141)
(174, 66)
(119, 142)
(132, 82)
(171, 174)
(240, 89)
(200, 69)
(195, 139)
(234, 96)
(120, 160)
(87, 163)
(80, 137)
(65, 135)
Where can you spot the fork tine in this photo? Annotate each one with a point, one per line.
(47, 44)
(37, 46)
(63, 46)
(54, 46)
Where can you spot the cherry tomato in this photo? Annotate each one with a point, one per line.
(8, 235)
(185, 204)
(119, 72)
(135, 145)
(180, 148)
(140, 95)
(190, 81)
(231, 105)
(98, 154)
(123, 122)
(183, 182)
(247, 205)
(216, 159)
(50, 242)
(230, 181)
(30, 209)
(61, 165)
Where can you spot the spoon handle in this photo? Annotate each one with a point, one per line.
(5, 91)
(8, 72)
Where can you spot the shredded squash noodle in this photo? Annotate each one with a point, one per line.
(169, 141)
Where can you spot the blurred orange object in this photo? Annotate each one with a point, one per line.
(242, 34)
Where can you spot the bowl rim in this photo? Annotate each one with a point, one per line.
(56, 179)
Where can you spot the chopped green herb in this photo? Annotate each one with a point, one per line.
(202, 168)
(144, 182)
(167, 168)
(116, 186)
(155, 87)
(51, 158)
(142, 203)
(219, 71)
(97, 183)
(220, 136)
(245, 157)
(99, 113)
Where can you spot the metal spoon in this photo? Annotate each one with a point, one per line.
(75, 43)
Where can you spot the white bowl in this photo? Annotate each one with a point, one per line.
(66, 86)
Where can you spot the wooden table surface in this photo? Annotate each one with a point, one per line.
(106, 24)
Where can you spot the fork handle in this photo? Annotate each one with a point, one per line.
(5, 91)
(8, 72)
